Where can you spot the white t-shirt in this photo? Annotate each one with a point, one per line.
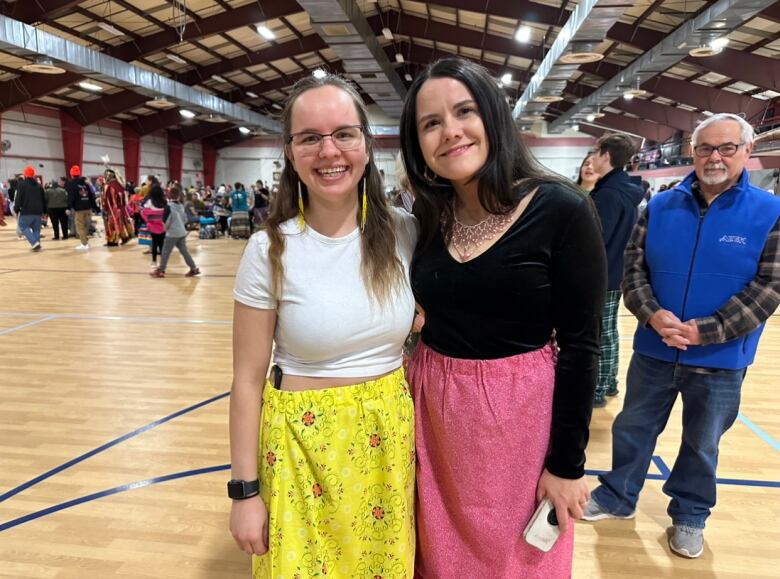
(328, 325)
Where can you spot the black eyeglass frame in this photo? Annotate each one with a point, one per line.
(718, 149)
(322, 136)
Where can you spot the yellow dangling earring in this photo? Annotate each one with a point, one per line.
(364, 212)
(301, 220)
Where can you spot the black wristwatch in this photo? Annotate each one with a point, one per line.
(243, 489)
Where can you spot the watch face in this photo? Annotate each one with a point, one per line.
(240, 489)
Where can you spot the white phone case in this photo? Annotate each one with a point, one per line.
(540, 532)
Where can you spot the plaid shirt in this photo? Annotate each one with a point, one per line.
(740, 315)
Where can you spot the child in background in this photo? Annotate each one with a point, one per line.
(153, 213)
(175, 235)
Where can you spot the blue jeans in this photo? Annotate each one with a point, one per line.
(30, 227)
(710, 406)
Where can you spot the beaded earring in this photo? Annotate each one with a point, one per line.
(364, 211)
(301, 220)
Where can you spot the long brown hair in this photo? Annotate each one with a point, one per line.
(380, 266)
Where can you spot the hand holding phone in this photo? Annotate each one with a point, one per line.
(542, 530)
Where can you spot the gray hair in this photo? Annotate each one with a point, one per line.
(748, 133)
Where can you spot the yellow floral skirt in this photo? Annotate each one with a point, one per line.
(336, 470)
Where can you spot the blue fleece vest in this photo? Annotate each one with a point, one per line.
(696, 263)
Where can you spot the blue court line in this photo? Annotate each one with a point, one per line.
(761, 434)
(106, 446)
(665, 472)
(27, 325)
(661, 466)
(108, 492)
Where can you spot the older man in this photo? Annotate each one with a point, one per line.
(702, 275)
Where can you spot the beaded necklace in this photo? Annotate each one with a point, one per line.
(466, 239)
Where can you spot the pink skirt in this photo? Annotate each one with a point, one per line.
(483, 432)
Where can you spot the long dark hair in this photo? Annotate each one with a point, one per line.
(509, 173)
(380, 266)
(157, 196)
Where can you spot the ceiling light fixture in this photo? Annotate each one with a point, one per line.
(176, 58)
(547, 98)
(709, 47)
(720, 43)
(408, 77)
(43, 65)
(160, 102)
(266, 32)
(387, 33)
(251, 95)
(110, 29)
(581, 57)
(244, 130)
(90, 86)
(212, 118)
(506, 78)
(319, 73)
(399, 57)
(523, 34)
(218, 78)
(187, 114)
(634, 92)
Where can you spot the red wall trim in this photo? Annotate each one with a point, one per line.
(175, 157)
(72, 140)
(131, 144)
(209, 162)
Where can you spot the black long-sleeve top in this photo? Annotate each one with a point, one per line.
(546, 275)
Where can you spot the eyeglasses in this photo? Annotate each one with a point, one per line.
(345, 139)
(724, 150)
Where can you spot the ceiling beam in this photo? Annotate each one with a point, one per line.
(309, 43)
(30, 11)
(149, 124)
(523, 10)
(751, 68)
(91, 112)
(29, 87)
(650, 131)
(746, 67)
(408, 25)
(706, 98)
(203, 130)
(222, 22)
(228, 138)
(679, 119)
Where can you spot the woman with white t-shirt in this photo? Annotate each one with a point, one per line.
(323, 453)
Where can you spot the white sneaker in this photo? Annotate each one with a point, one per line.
(82, 247)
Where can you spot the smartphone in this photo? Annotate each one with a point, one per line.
(542, 530)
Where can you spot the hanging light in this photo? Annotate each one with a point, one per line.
(266, 32)
(523, 34)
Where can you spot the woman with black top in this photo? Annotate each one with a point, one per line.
(511, 272)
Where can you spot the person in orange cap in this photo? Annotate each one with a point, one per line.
(30, 206)
(81, 201)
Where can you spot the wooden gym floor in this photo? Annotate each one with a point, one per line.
(114, 446)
